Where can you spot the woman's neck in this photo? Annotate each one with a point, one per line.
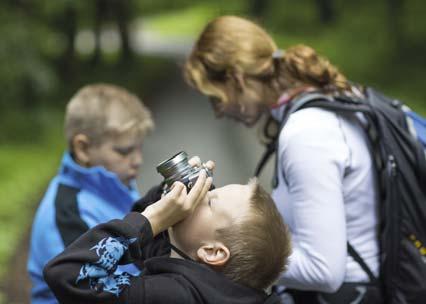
(290, 93)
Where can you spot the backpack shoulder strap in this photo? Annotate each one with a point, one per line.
(306, 100)
(271, 147)
(354, 254)
(273, 298)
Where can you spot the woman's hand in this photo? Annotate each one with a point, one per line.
(177, 204)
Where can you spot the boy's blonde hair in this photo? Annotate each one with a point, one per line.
(260, 243)
(101, 111)
(232, 44)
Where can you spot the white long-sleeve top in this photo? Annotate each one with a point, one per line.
(327, 194)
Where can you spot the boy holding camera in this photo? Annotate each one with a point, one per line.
(229, 244)
(105, 127)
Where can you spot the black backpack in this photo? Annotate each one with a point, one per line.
(400, 160)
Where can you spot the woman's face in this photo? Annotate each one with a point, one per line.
(246, 101)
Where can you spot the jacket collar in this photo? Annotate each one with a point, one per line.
(97, 180)
(213, 286)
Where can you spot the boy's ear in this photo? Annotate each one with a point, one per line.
(214, 254)
(80, 147)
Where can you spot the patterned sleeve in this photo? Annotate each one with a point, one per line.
(86, 272)
(152, 196)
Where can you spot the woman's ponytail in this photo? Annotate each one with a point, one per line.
(302, 64)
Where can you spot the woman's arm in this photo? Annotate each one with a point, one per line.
(313, 160)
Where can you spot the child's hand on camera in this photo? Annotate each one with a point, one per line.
(177, 204)
(195, 161)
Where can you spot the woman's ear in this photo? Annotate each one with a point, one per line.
(214, 254)
(80, 149)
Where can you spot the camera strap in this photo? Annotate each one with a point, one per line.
(181, 253)
(165, 237)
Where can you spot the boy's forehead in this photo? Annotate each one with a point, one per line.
(123, 126)
(117, 114)
(230, 203)
(235, 192)
(235, 187)
(127, 138)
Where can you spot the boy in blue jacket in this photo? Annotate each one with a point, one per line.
(104, 126)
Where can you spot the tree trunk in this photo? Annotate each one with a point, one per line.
(69, 27)
(327, 11)
(101, 11)
(396, 9)
(122, 14)
(257, 8)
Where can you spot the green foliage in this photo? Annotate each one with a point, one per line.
(52, 9)
(25, 74)
(361, 43)
(25, 171)
(190, 20)
(20, 126)
(163, 7)
(150, 7)
(186, 22)
(142, 76)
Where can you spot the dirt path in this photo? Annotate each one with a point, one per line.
(16, 287)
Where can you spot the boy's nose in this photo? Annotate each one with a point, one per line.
(137, 159)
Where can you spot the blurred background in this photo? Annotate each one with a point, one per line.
(48, 49)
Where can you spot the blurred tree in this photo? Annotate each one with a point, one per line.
(62, 19)
(396, 14)
(160, 6)
(119, 12)
(257, 8)
(67, 23)
(327, 11)
(26, 75)
(21, 58)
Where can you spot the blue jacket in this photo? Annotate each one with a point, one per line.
(77, 199)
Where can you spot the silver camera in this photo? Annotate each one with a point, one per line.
(177, 168)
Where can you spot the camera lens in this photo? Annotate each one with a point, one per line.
(177, 168)
(174, 168)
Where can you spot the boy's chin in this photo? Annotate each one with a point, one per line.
(128, 181)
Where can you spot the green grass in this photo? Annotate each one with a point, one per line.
(25, 171)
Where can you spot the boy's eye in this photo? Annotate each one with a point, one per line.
(123, 151)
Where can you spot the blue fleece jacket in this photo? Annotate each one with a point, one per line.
(77, 199)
